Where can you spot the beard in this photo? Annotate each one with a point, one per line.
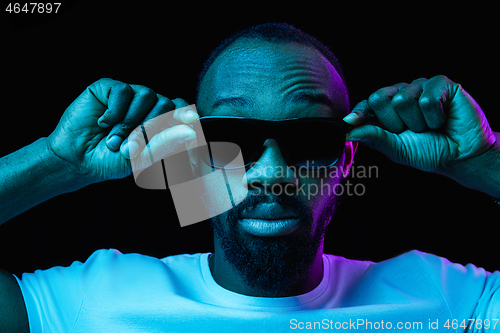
(274, 266)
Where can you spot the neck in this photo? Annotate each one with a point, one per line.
(228, 277)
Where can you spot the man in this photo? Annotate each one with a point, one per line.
(268, 271)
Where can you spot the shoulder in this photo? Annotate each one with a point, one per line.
(434, 265)
(417, 275)
(135, 276)
(433, 269)
(134, 264)
(348, 267)
(100, 264)
(113, 261)
(113, 266)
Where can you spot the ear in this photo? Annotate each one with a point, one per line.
(349, 151)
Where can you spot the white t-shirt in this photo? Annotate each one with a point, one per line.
(114, 292)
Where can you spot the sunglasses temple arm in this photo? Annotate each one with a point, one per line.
(228, 187)
(346, 128)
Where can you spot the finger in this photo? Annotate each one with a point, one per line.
(406, 104)
(143, 101)
(361, 114)
(380, 103)
(435, 95)
(120, 96)
(101, 89)
(135, 141)
(168, 117)
(373, 137)
(188, 117)
(179, 103)
(162, 106)
(114, 96)
(163, 144)
(184, 112)
(160, 118)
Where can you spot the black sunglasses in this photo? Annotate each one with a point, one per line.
(308, 143)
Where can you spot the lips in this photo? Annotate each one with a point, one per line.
(269, 212)
(269, 220)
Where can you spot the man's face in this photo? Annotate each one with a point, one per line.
(273, 235)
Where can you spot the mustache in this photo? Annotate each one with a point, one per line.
(251, 201)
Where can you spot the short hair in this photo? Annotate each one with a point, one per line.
(278, 33)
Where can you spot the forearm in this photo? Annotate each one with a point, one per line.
(32, 175)
(481, 173)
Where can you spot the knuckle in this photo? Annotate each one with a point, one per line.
(146, 93)
(361, 107)
(420, 80)
(165, 103)
(123, 128)
(442, 77)
(99, 84)
(122, 88)
(179, 102)
(428, 102)
(401, 100)
(102, 80)
(378, 99)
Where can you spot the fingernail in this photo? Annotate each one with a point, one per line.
(350, 117)
(353, 139)
(102, 124)
(114, 142)
(191, 115)
(189, 138)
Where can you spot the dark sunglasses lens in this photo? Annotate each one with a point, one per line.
(313, 144)
(226, 138)
(222, 155)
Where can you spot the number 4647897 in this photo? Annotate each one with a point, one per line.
(33, 7)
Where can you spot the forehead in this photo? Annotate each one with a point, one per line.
(264, 80)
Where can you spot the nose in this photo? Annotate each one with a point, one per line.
(270, 174)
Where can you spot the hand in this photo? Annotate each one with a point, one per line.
(92, 133)
(431, 125)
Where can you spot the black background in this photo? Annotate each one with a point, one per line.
(45, 66)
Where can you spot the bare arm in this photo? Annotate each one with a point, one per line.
(31, 175)
(89, 145)
(13, 315)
